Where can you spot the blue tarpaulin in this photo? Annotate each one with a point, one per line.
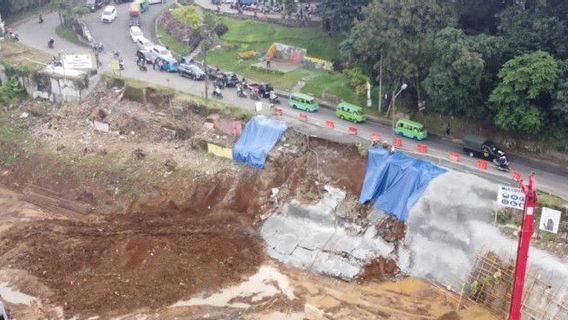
(395, 182)
(259, 137)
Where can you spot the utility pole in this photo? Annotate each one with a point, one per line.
(527, 229)
(393, 114)
(206, 72)
(380, 82)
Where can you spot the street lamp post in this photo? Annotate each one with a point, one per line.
(402, 88)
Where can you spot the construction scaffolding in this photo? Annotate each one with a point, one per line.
(490, 284)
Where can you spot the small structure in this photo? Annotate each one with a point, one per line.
(279, 51)
(69, 81)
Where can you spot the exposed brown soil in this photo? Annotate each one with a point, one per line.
(133, 261)
(379, 269)
(168, 221)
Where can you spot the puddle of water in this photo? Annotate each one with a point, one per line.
(277, 315)
(267, 282)
(14, 297)
(6, 192)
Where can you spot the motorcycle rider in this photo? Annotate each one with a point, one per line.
(50, 43)
(12, 35)
(217, 92)
(141, 63)
(240, 90)
(40, 18)
(273, 98)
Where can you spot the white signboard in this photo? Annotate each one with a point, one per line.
(511, 197)
(258, 106)
(549, 220)
(77, 61)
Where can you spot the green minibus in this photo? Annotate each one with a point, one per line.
(410, 129)
(350, 112)
(303, 102)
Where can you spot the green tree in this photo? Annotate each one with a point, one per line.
(480, 16)
(290, 7)
(525, 30)
(560, 100)
(453, 82)
(339, 15)
(523, 96)
(403, 32)
(188, 15)
(68, 11)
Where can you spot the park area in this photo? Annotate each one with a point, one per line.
(243, 49)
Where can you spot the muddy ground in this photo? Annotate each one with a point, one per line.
(135, 219)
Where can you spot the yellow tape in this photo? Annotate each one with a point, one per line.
(220, 151)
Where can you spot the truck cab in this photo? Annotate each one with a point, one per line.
(481, 147)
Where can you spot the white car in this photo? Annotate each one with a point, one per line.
(136, 33)
(155, 1)
(157, 51)
(109, 14)
(144, 44)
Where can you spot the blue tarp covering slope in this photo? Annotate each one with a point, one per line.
(395, 182)
(259, 137)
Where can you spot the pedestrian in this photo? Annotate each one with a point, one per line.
(448, 129)
(497, 276)
(154, 64)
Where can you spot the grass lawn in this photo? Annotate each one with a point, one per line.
(175, 45)
(254, 35)
(258, 36)
(68, 34)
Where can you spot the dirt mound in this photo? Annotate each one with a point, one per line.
(134, 261)
(379, 269)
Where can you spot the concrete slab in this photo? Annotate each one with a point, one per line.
(313, 237)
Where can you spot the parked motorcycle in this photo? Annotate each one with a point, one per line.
(254, 95)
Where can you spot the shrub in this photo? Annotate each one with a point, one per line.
(188, 16)
(269, 71)
(10, 90)
(179, 31)
(247, 54)
(220, 29)
(357, 79)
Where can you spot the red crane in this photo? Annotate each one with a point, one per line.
(527, 229)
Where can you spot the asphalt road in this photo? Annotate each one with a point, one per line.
(114, 36)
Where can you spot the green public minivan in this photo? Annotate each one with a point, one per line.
(350, 112)
(410, 129)
(303, 102)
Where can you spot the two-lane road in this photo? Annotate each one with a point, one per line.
(114, 36)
